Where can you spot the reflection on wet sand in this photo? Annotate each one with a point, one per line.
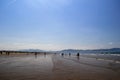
(74, 68)
(25, 67)
(57, 67)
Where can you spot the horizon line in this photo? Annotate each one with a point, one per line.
(54, 50)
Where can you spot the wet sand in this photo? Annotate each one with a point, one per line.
(57, 67)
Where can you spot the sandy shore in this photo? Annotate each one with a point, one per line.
(56, 67)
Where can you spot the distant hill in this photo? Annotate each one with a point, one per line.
(112, 50)
(32, 50)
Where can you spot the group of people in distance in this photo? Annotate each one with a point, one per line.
(37, 53)
(78, 54)
(7, 53)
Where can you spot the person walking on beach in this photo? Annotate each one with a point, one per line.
(8, 53)
(35, 53)
(78, 54)
(62, 54)
(1, 52)
(45, 53)
(69, 54)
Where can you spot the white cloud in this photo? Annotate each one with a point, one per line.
(21, 45)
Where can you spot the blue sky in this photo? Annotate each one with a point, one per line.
(59, 24)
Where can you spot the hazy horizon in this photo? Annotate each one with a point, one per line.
(59, 24)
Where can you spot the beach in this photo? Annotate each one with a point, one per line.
(58, 67)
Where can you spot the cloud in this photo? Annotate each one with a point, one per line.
(23, 45)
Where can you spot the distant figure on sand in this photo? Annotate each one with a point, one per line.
(62, 54)
(1, 52)
(45, 53)
(35, 53)
(69, 54)
(8, 53)
(78, 54)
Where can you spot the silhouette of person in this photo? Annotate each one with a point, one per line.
(69, 54)
(78, 56)
(45, 53)
(35, 54)
(8, 53)
(1, 52)
(62, 54)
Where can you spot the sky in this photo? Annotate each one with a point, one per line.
(59, 24)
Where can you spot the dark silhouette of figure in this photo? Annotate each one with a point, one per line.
(62, 54)
(1, 52)
(8, 53)
(36, 54)
(69, 54)
(45, 53)
(78, 56)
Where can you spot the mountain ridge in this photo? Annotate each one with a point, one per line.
(76, 50)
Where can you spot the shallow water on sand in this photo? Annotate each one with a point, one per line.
(57, 67)
(25, 67)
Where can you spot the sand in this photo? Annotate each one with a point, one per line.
(57, 67)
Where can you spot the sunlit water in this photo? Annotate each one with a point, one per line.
(57, 67)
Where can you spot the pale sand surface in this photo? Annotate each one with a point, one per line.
(56, 67)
